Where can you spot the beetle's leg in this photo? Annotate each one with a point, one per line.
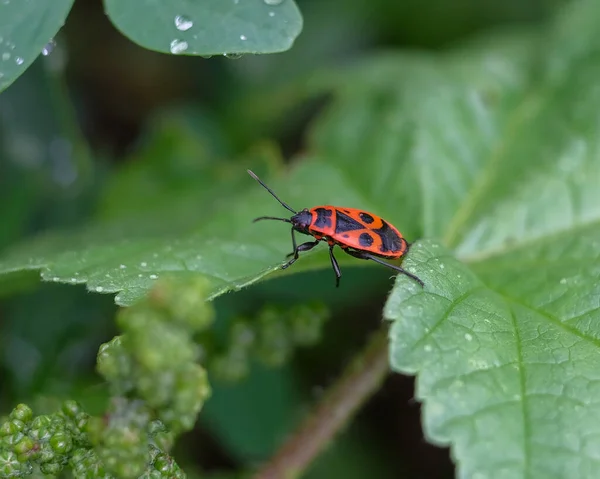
(336, 267)
(297, 249)
(365, 255)
(293, 244)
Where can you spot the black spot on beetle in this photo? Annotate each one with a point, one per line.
(365, 240)
(323, 218)
(367, 218)
(390, 241)
(346, 223)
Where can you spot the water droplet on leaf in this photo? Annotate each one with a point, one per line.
(49, 47)
(178, 46)
(183, 23)
(273, 2)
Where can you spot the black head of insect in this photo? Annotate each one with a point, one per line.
(300, 221)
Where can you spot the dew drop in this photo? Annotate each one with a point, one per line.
(178, 46)
(233, 56)
(49, 47)
(442, 266)
(183, 23)
(143, 264)
(427, 348)
(468, 337)
(243, 38)
(271, 14)
(56, 278)
(73, 280)
(99, 289)
(140, 275)
(563, 281)
(273, 2)
(19, 61)
(153, 276)
(122, 266)
(5, 56)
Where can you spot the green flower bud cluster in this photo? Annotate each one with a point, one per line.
(156, 358)
(128, 444)
(46, 441)
(271, 337)
(122, 444)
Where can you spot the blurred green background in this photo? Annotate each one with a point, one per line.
(92, 107)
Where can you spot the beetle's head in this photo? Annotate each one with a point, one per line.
(302, 220)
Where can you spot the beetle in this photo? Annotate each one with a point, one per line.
(359, 233)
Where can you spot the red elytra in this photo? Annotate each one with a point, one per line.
(359, 233)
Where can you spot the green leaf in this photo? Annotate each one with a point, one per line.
(210, 27)
(25, 27)
(505, 337)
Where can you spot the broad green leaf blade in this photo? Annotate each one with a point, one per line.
(220, 242)
(25, 28)
(507, 349)
(209, 27)
(415, 131)
(512, 384)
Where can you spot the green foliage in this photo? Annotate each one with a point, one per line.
(25, 27)
(488, 152)
(128, 446)
(506, 346)
(271, 337)
(155, 358)
(158, 389)
(211, 27)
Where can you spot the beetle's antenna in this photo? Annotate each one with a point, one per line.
(285, 205)
(270, 218)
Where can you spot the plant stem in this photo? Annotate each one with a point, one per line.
(361, 379)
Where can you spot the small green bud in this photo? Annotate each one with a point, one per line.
(71, 408)
(41, 428)
(61, 443)
(22, 413)
(10, 428)
(10, 466)
(25, 446)
(51, 468)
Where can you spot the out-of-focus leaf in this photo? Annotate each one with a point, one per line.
(44, 162)
(210, 27)
(25, 28)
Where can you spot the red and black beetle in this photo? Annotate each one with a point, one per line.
(359, 233)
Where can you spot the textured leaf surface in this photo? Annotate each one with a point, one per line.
(506, 341)
(493, 150)
(209, 27)
(25, 28)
